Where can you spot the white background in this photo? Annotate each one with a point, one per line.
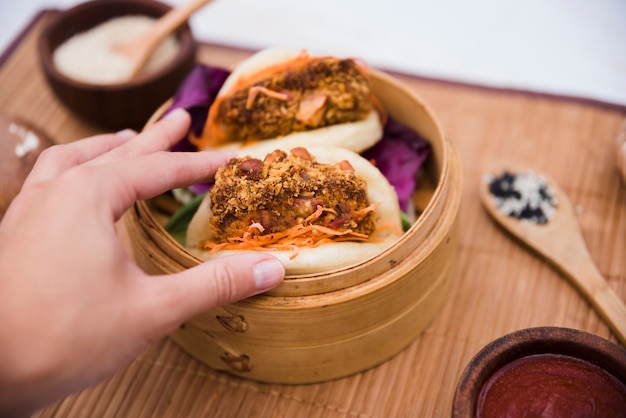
(566, 47)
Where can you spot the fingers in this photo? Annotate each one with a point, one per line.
(122, 183)
(127, 167)
(58, 158)
(102, 149)
(178, 297)
(158, 137)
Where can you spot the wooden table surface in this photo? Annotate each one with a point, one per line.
(499, 286)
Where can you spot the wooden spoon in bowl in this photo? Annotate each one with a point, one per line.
(561, 242)
(139, 49)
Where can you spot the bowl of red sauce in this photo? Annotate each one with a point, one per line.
(544, 372)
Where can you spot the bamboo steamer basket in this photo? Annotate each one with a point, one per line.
(320, 327)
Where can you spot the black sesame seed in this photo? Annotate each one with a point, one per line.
(525, 196)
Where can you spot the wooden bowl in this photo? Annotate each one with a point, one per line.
(113, 106)
(324, 326)
(498, 356)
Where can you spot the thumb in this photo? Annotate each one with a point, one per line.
(177, 297)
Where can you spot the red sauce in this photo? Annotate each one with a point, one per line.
(551, 385)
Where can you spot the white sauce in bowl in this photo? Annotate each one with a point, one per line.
(88, 56)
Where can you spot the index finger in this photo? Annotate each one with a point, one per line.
(59, 158)
(158, 137)
(121, 183)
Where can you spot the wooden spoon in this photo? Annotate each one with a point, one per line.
(139, 49)
(561, 242)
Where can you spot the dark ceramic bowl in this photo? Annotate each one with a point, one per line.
(114, 106)
(502, 352)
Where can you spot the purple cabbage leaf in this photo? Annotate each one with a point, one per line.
(399, 155)
(196, 94)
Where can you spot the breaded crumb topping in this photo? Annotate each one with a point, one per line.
(261, 197)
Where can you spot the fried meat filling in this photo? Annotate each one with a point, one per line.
(286, 191)
(320, 92)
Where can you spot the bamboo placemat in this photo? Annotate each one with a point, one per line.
(499, 286)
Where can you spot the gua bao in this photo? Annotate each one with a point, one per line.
(316, 209)
(281, 99)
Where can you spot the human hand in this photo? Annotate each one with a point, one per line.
(73, 307)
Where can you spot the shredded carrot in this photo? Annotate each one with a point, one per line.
(311, 108)
(295, 250)
(300, 60)
(318, 212)
(370, 208)
(255, 90)
(391, 226)
(304, 235)
(257, 226)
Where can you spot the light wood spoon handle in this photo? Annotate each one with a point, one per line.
(139, 49)
(561, 242)
(578, 265)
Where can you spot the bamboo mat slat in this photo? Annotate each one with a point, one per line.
(498, 287)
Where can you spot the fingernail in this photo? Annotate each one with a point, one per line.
(126, 134)
(268, 274)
